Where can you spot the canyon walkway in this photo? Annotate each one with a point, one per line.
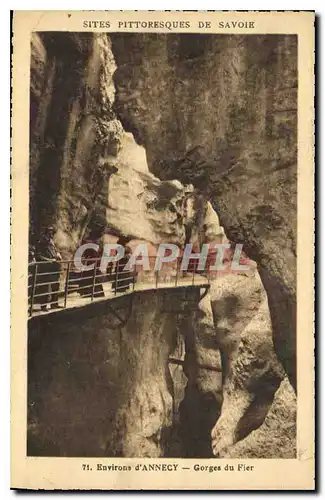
(57, 285)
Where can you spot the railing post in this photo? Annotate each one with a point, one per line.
(157, 278)
(193, 274)
(94, 281)
(66, 287)
(116, 276)
(33, 290)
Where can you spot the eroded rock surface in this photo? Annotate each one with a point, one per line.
(99, 389)
(224, 118)
(276, 437)
(254, 376)
(203, 393)
(75, 135)
(235, 300)
(138, 204)
(216, 116)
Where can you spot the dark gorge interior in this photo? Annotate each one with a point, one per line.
(167, 138)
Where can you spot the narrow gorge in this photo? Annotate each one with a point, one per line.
(162, 138)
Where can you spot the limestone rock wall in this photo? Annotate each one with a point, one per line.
(212, 113)
(254, 376)
(276, 437)
(217, 97)
(99, 389)
(224, 117)
(138, 204)
(201, 405)
(74, 133)
(86, 173)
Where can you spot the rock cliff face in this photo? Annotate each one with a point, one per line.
(75, 135)
(138, 204)
(208, 115)
(98, 388)
(251, 372)
(224, 117)
(254, 376)
(276, 437)
(86, 173)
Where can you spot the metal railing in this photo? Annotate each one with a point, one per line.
(59, 284)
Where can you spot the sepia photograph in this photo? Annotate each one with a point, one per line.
(141, 144)
(161, 279)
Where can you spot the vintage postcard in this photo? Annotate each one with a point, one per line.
(162, 250)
